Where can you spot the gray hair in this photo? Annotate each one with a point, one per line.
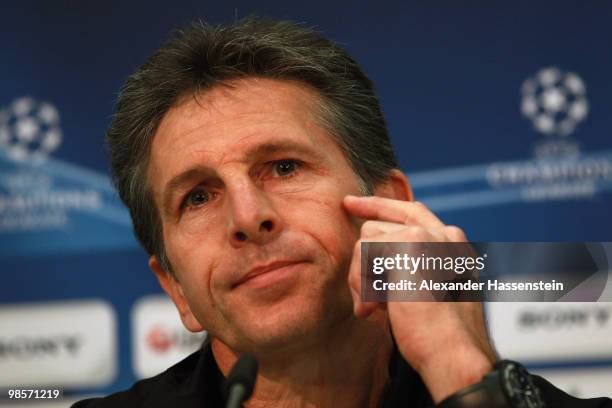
(202, 56)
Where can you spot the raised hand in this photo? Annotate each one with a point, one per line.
(446, 342)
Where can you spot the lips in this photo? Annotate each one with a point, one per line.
(263, 269)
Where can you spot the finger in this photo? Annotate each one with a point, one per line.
(360, 308)
(385, 209)
(403, 234)
(374, 228)
(413, 233)
(455, 234)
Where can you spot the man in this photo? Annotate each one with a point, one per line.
(254, 158)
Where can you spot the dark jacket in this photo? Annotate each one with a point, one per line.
(197, 382)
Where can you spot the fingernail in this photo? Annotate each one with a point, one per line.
(355, 197)
(354, 295)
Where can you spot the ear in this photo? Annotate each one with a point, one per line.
(396, 187)
(173, 288)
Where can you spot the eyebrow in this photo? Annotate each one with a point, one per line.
(254, 153)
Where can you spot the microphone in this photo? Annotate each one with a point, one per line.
(241, 381)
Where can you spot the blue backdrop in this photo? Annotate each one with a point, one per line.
(499, 112)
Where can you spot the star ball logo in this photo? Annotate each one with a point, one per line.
(29, 130)
(33, 195)
(555, 101)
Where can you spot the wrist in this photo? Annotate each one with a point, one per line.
(509, 385)
(450, 371)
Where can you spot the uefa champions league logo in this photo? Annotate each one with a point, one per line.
(555, 101)
(29, 130)
(37, 194)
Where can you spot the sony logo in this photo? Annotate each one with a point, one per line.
(30, 347)
(567, 317)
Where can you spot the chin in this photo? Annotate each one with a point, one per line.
(286, 327)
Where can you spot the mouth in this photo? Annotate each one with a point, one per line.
(268, 274)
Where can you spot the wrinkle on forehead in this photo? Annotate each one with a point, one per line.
(221, 112)
(236, 91)
(220, 105)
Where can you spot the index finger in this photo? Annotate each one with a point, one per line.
(386, 209)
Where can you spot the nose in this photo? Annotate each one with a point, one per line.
(253, 219)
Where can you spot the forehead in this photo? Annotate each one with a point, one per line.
(229, 106)
(220, 125)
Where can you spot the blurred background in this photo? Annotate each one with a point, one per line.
(499, 112)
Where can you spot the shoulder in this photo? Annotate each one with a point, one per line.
(554, 397)
(180, 385)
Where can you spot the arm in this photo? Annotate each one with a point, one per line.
(445, 342)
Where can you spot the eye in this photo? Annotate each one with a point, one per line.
(196, 198)
(285, 167)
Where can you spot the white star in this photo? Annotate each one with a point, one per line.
(574, 83)
(549, 76)
(26, 129)
(52, 140)
(48, 113)
(22, 106)
(529, 107)
(553, 99)
(18, 152)
(579, 110)
(544, 124)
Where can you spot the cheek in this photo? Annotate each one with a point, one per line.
(193, 242)
(193, 257)
(198, 225)
(325, 220)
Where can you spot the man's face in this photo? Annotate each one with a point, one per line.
(249, 190)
